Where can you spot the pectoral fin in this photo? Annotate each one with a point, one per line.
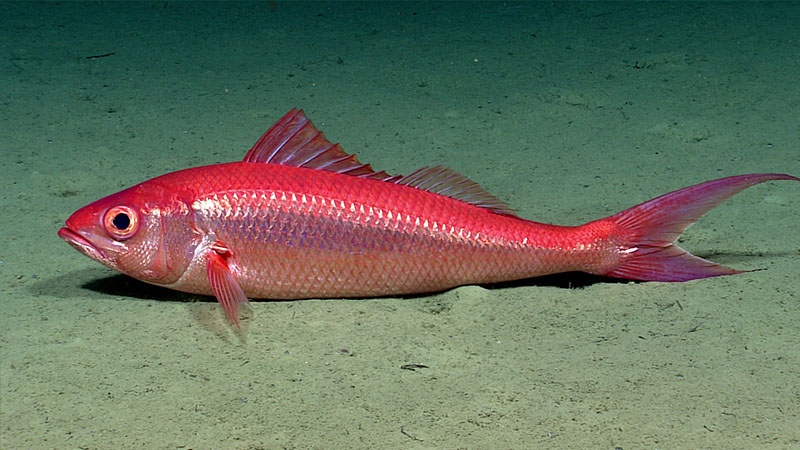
(227, 290)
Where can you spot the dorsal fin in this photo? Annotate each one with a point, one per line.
(445, 181)
(295, 141)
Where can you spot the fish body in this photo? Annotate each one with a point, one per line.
(299, 218)
(297, 233)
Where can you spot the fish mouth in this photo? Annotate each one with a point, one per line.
(81, 244)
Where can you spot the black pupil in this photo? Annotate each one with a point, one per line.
(121, 221)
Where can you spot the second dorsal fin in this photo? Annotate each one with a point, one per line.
(445, 181)
(295, 141)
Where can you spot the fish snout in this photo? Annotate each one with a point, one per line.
(82, 244)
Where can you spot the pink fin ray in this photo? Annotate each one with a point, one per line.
(650, 229)
(295, 141)
(444, 181)
(227, 290)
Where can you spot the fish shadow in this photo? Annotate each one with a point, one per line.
(96, 283)
(566, 280)
(581, 280)
(125, 286)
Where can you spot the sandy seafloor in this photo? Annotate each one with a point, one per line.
(568, 111)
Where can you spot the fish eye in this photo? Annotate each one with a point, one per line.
(121, 222)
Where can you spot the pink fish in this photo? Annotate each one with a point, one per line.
(299, 218)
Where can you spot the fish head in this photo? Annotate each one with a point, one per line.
(145, 232)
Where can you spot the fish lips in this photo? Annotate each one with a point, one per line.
(82, 244)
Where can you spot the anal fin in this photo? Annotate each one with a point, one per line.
(227, 290)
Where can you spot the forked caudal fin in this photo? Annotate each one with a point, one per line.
(649, 230)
